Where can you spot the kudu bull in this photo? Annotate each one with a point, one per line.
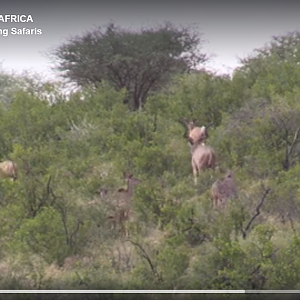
(122, 212)
(222, 190)
(203, 156)
(8, 169)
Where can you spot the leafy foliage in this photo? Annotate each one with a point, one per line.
(139, 61)
(55, 230)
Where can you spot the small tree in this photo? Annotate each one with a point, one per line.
(139, 61)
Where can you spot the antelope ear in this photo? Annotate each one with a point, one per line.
(103, 190)
(229, 174)
(126, 175)
(183, 120)
(203, 133)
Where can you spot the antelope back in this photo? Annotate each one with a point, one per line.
(225, 188)
(8, 169)
(203, 155)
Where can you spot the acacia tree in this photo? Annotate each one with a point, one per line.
(140, 61)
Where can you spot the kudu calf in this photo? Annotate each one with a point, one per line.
(8, 169)
(122, 212)
(222, 190)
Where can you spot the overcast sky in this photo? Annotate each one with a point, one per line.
(232, 28)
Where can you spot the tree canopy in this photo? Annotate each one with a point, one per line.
(273, 68)
(139, 61)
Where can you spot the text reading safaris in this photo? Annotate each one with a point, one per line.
(26, 31)
(20, 31)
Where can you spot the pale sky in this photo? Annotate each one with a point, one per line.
(232, 28)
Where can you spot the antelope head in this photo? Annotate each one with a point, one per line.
(194, 133)
(131, 183)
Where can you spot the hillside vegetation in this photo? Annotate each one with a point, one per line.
(55, 232)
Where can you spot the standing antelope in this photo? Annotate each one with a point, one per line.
(194, 133)
(8, 169)
(222, 190)
(203, 157)
(124, 204)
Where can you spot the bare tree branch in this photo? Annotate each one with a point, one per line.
(257, 213)
(294, 141)
(146, 256)
(292, 222)
(74, 233)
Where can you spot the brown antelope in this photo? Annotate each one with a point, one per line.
(203, 157)
(222, 190)
(122, 211)
(8, 169)
(194, 133)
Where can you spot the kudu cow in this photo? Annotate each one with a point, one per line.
(222, 190)
(122, 212)
(8, 169)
